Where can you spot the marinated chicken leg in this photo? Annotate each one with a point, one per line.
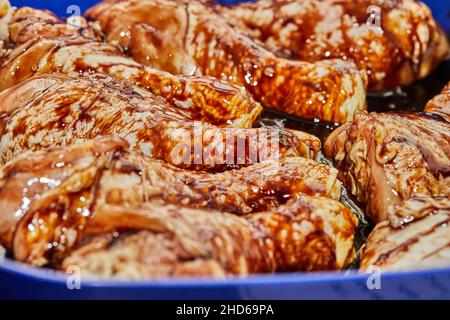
(305, 234)
(416, 236)
(53, 110)
(122, 177)
(45, 44)
(396, 42)
(63, 195)
(5, 15)
(190, 38)
(387, 158)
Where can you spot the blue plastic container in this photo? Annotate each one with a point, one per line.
(20, 281)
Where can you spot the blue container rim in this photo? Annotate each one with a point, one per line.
(17, 269)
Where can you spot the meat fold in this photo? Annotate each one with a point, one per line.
(43, 43)
(416, 236)
(395, 42)
(440, 105)
(153, 240)
(386, 158)
(53, 110)
(188, 37)
(307, 234)
(66, 185)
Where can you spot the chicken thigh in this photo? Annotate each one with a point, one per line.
(188, 37)
(395, 42)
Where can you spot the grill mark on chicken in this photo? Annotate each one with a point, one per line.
(408, 44)
(435, 252)
(329, 90)
(407, 244)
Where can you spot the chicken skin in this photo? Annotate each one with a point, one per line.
(45, 44)
(126, 177)
(395, 42)
(306, 234)
(188, 37)
(52, 110)
(416, 236)
(386, 158)
(68, 195)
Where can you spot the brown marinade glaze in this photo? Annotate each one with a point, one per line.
(59, 110)
(48, 45)
(386, 158)
(259, 243)
(407, 45)
(108, 242)
(292, 237)
(81, 185)
(440, 105)
(44, 22)
(203, 43)
(416, 236)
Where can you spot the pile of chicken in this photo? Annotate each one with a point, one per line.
(127, 143)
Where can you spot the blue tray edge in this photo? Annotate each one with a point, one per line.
(19, 281)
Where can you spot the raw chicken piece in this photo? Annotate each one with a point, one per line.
(386, 158)
(304, 235)
(396, 42)
(105, 172)
(416, 236)
(53, 110)
(187, 37)
(45, 44)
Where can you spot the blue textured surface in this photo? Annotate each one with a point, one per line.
(20, 281)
